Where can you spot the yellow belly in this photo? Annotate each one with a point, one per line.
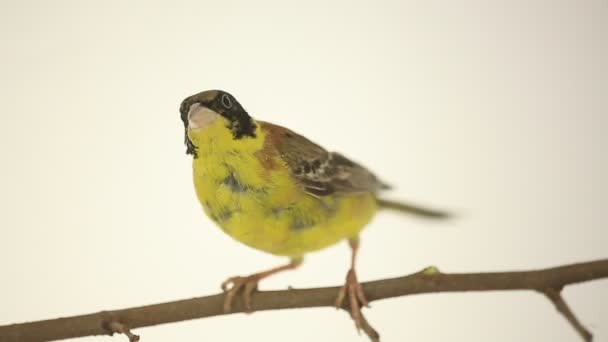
(261, 205)
(276, 216)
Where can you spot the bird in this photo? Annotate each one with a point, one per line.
(274, 190)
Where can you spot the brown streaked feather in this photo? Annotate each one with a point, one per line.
(318, 171)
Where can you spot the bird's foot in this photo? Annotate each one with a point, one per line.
(232, 286)
(356, 297)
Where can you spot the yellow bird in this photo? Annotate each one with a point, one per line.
(274, 190)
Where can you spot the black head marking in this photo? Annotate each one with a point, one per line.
(240, 123)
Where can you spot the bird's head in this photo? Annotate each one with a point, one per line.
(201, 110)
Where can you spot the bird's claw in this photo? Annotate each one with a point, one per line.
(356, 297)
(232, 286)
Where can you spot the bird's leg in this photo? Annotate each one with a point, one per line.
(233, 285)
(353, 289)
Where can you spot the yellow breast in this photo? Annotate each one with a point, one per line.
(264, 207)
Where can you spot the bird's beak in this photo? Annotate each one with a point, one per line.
(200, 116)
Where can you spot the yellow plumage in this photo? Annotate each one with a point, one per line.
(265, 208)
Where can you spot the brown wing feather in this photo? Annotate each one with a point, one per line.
(318, 171)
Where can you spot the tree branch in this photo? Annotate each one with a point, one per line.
(548, 281)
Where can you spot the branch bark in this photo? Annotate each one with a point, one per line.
(548, 282)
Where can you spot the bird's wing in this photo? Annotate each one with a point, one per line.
(318, 171)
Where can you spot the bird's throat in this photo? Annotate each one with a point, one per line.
(217, 139)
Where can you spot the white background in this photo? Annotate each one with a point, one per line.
(496, 110)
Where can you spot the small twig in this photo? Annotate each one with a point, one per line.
(365, 325)
(556, 298)
(117, 327)
(369, 330)
(431, 280)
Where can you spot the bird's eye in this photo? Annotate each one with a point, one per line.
(226, 101)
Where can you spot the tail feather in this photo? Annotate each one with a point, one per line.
(412, 209)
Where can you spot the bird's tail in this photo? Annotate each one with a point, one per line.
(412, 209)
